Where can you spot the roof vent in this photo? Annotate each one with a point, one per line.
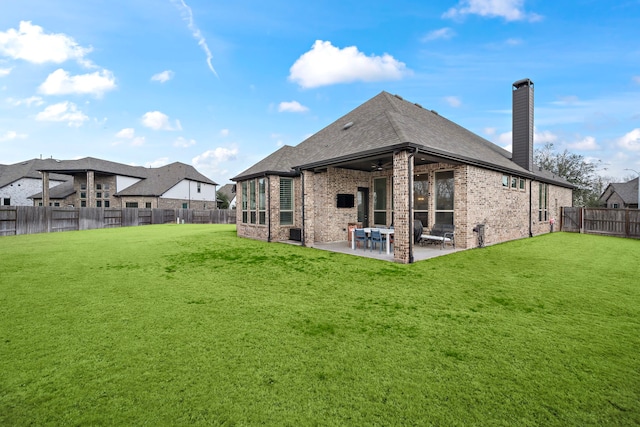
(435, 112)
(399, 97)
(417, 105)
(347, 126)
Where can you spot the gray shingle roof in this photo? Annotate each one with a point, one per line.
(28, 169)
(58, 192)
(97, 165)
(159, 180)
(228, 190)
(384, 123)
(628, 191)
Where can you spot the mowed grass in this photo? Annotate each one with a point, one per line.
(190, 325)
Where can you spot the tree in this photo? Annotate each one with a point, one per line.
(575, 169)
(223, 199)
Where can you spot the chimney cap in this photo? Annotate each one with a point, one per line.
(522, 83)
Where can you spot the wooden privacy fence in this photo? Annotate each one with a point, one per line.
(38, 219)
(610, 222)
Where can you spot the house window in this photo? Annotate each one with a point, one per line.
(244, 203)
(56, 204)
(6, 201)
(514, 182)
(99, 195)
(543, 203)
(198, 185)
(421, 199)
(83, 186)
(147, 205)
(380, 201)
(106, 195)
(286, 201)
(185, 205)
(444, 197)
(522, 184)
(98, 203)
(98, 186)
(252, 201)
(616, 206)
(83, 195)
(105, 186)
(131, 204)
(505, 181)
(106, 203)
(262, 201)
(83, 203)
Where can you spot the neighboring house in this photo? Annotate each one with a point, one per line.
(390, 161)
(101, 183)
(620, 195)
(229, 190)
(20, 180)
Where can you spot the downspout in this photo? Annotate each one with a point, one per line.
(268, 208)
(530, 207)
(302, 231)
(410, 180)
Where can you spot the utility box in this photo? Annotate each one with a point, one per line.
(480, 230)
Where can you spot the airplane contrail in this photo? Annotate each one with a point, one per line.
(187, 15)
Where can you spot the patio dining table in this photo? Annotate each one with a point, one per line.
(388, 232)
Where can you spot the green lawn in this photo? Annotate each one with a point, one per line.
(187, 324)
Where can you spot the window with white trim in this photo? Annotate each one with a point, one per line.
(380, 201)
(262, 201)
(444, 189)
(245, 203)
(543, 203)
(252, 201)
(286, 201)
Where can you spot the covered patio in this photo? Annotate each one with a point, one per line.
(420, 252)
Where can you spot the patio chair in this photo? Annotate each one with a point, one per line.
(360, 236)
(376, 237)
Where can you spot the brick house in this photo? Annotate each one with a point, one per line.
(620, 195)
(21, 180)
(390, 161)
(101, 183)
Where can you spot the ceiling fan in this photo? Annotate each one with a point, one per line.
(379, 166)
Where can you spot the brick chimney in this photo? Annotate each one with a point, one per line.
(522, 124)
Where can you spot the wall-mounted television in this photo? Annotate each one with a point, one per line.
(346, 201)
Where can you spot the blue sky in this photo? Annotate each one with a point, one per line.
(220, 85)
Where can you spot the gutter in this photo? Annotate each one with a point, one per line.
(302, 231)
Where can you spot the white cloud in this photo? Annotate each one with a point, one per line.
(326, 64)
(31, 44)
(510, 10)
(588, 143)
(224, 132)
(163, 77)
(127, 133)
(292, 107)
(33, 100)
(453, 101)
(183, 142)
(187, 15)
(631, 140)
(213, 161)
(441, 34)
(61, 83)
(11, 136)
(63, 112)
(162, 161)
(5, 71)
(544, 137)
(159, 121)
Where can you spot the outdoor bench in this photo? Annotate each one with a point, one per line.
(440, 233)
